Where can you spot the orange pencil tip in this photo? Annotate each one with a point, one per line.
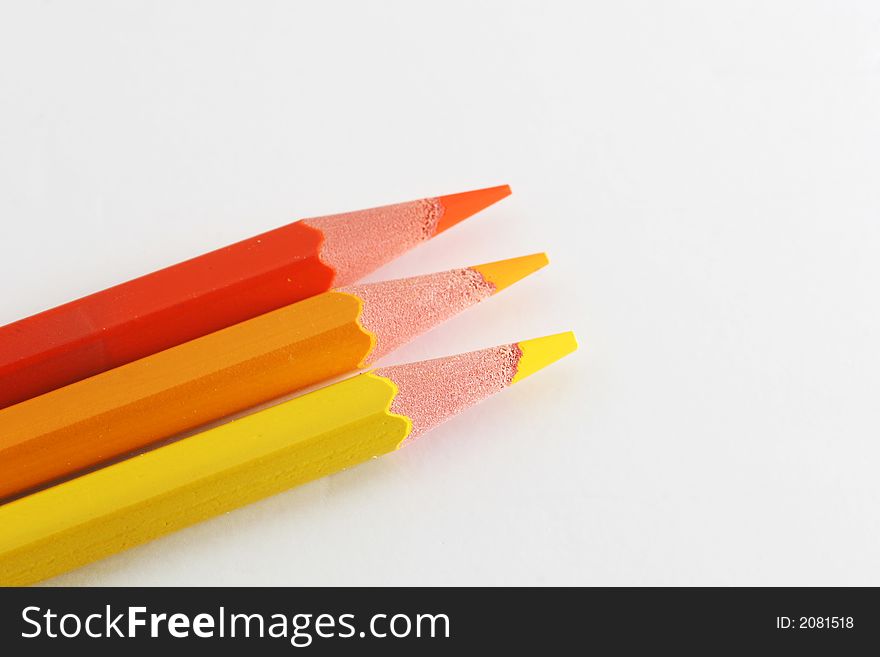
(458, 207)
(505, 273)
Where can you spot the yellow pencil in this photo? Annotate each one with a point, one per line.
(341, 425)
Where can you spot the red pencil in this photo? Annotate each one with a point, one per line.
(215, 290)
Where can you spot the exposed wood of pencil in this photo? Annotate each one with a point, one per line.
(127, 408)
(207, 474)
(170, 306)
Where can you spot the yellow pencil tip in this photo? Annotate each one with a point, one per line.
(505, 273)
(538, 353)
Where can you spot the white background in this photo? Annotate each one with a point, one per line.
(703, 175)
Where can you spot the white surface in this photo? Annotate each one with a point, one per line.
(704, 176)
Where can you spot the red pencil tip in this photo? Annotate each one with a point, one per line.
(457, 207)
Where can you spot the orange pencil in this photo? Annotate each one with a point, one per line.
(127, 408)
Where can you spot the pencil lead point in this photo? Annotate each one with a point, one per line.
(458, 207)
(504, 273)
(538, 353)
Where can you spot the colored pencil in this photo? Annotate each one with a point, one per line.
(215, 290)
(336, 427)
(127, 408)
